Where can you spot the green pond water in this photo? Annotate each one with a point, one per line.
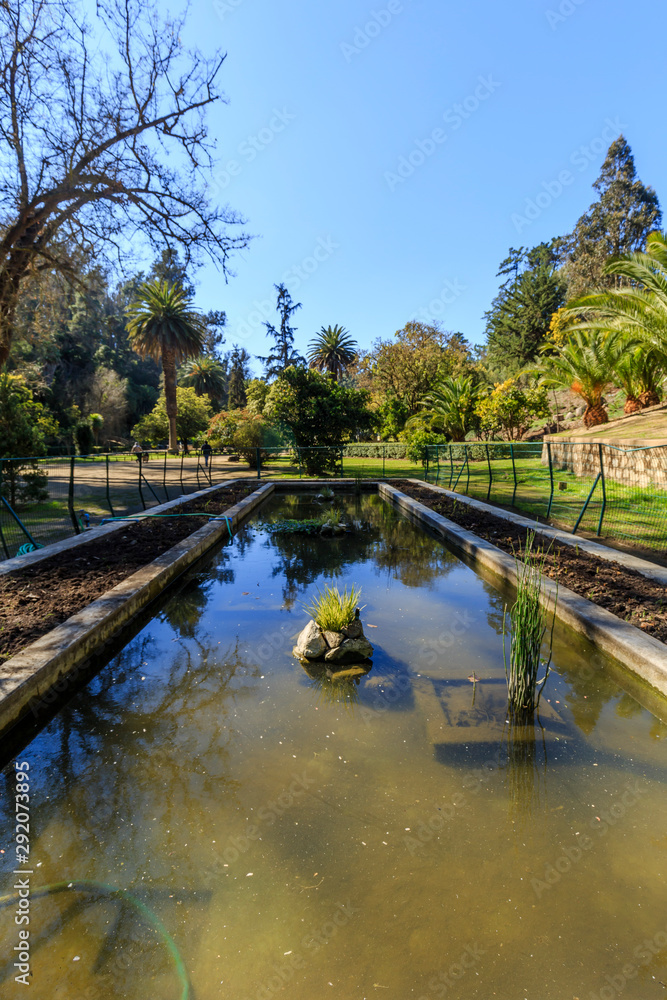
(307, 838)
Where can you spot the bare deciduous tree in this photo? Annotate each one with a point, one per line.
(103, 141)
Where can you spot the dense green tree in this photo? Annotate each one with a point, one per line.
(508, 410)
(401, 371)
(193, 416)
(26, 426)
(162, 324)
(283, 354)
(617, 223)
(517, 325)
(333, 350)
(320, 413)
(239, 374)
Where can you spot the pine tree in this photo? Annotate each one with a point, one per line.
(518, 322)
(239, 373)
(283, 354)
(618, 223)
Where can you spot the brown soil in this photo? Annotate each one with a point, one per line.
(624, 592)
(36, 599)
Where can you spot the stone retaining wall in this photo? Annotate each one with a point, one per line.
(642, 467)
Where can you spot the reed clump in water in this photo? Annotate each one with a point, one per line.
(529, 624)
(333, 610)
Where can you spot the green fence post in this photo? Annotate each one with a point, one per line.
(164, 475)
(451, 466)
(182, 460)
(341, 463)
(427, 457)
(465, 452)
(384, 457)
(551, 479)
(70, 498)
(111, 510)
(141, 492)
(488, 462)
(259, 463)
(604, 491)
(2, 536)
(513, 472)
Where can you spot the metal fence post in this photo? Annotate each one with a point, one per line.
(604, 491)
(341, 463)
(2, 536)
(259, 463)
(141, 492)
(551, 478)
(164, 476)
(298, 456)
(513, 472)
(427, 457)
(384, 457)
(488, 462)
(70, 498)
(111, 510)
(465, 452)
(182, 460)
(451, 466)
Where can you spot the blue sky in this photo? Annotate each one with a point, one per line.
(387, 155)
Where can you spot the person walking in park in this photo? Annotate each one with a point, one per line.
(137, 450)
(206, 451)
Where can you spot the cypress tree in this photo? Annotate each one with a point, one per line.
(283, 354)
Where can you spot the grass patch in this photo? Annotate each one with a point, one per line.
(333, 610)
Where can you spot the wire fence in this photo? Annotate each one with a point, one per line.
(617, 493)
(44, 500)
(606, 490)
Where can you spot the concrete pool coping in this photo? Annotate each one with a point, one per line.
(644, 656)
(44, 669)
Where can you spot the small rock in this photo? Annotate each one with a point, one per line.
(311, 644)
(333, 639)
(350, 651)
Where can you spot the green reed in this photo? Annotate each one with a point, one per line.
(529, 624)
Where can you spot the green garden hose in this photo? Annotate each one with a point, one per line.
(86, 885)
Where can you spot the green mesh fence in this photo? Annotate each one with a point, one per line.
(616, 493)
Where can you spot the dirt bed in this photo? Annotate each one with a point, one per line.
(624, 592)
(36, 599)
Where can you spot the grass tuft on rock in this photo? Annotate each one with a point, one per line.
(333, 610)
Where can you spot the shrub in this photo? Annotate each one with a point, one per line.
(85, 439)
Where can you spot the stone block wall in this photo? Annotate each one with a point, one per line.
(643, 467)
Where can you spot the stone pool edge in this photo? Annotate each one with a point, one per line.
(644, 656)
(53, 661)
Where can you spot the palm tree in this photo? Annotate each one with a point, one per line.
(585, 365)
(639, 307)
(451, 406)
(333, 350)
(206, 376)
(163, 325)
(640, 373)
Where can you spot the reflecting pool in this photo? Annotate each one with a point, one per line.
(302, 836)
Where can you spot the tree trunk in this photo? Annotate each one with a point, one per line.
(595, 415)
(632, 405)
(648, 398)
(169, 369)
(9, 286)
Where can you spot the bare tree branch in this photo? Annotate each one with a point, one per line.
(102, 138)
